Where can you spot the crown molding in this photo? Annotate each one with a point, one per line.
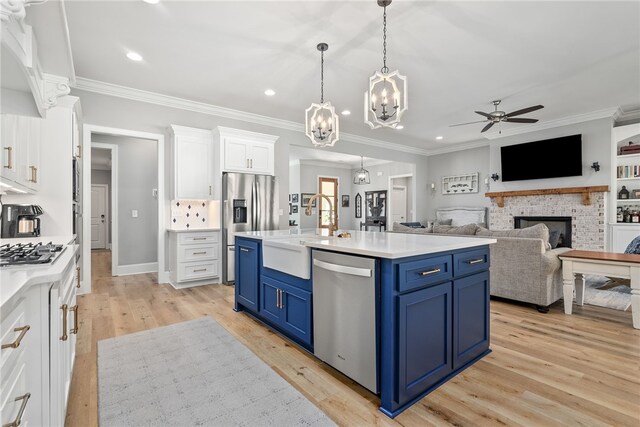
(549, 124)
(326, 164)
(139, 95)
(626, 116)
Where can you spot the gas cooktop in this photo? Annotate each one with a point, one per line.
(28, 253)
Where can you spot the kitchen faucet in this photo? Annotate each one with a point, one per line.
(307, 211)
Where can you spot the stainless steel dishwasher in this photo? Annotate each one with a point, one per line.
(344, 315)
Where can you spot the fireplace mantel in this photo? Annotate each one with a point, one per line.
(585, 191)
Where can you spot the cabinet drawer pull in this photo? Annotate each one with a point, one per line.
(426, 273)
(199, 238)
(199, 270)
(200, 253)
(25, 398)
(475, 261)
(245, 250)
(75, 319)
(64, 309)
(77, 277)
(209, 190)
(9, 164)
(23, 331)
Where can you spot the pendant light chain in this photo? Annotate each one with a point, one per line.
(321, 77)
(384, 69)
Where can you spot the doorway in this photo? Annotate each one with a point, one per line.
(135, 215)
(401, 199)
(328, 212)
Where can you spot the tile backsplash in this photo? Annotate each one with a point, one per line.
(194, 214)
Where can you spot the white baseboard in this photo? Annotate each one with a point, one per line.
(126, 270)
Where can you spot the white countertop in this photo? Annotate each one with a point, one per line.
(375, 243)
(191, 230)
(65, 239)
(14, 280)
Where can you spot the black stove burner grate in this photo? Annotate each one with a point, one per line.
(28, 253)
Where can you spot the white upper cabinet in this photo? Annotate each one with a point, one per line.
(192, 151)
(21, 140)
(246, 152)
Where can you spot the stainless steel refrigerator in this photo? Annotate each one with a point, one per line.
(249, 203)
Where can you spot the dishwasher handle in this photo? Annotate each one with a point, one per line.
(343, 269)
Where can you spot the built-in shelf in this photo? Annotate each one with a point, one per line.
(635, 224)
(585, 191)
(633, 201)
(629, 179)
(629, 156)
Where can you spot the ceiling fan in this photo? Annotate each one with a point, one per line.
(500, 116)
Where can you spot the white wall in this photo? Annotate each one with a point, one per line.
(294, 188)
(137, 177)
(458, 163)
(103, 177)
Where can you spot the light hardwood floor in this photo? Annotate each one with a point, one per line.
(545, 369)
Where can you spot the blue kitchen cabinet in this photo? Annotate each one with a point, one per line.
(286, 307)
(425, 339)
(247, 273)
(471, 318)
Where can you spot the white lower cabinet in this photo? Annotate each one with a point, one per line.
(194, 258)
(37, 355)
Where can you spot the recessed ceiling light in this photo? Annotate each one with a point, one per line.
(269, 92)
(439, 137)
(134, 56)
(399, 127)
(345, 112)
(151, 1)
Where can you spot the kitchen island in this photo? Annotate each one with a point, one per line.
(428, 305)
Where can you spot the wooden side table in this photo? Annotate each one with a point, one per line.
(575, 264)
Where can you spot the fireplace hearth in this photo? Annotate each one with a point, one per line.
(559, 227)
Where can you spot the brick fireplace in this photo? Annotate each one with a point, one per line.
(586, 212)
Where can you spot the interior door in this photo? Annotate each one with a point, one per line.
(98, 217)
(398, 203)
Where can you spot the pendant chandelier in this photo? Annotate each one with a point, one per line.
(386, 100)
(361, 176)
(321, 120)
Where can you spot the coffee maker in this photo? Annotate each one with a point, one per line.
(21, 221)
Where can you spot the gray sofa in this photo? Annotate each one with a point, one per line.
(524, 267)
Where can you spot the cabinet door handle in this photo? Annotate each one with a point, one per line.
(244, 250)
(23, 331)
(209, 190)
(64, 309)
(426, 273)
(79, 150)
(77, 277)
(247, 160)
(475, 261)
(281, 299)
(9, 164)
(33, 174)
(278, 296)
(75, 319)
(25, 399)
(251, 163)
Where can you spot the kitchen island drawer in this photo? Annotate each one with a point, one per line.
(471, 261)
(14, 398)
(188, 253)
(198, 270)
(422, 272)
(195, 238)
(15, 333)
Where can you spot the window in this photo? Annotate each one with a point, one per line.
(328, 187)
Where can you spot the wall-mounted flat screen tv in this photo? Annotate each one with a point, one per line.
(549, 158)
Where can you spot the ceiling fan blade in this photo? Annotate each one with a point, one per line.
(524, 110)
(487, 127)
(468, 123)
(487, 115)
(517, 120)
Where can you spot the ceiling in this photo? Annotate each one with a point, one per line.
(331, 158)
(572, 57)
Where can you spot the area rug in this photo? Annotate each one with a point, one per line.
(618, 297)
(194, 373)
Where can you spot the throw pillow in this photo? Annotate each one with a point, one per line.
(466, 230)
(443, 221)
(538, 231)
(554, 238)
(399, 228)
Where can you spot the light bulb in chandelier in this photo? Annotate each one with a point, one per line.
(378, 112)
(321, 120)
